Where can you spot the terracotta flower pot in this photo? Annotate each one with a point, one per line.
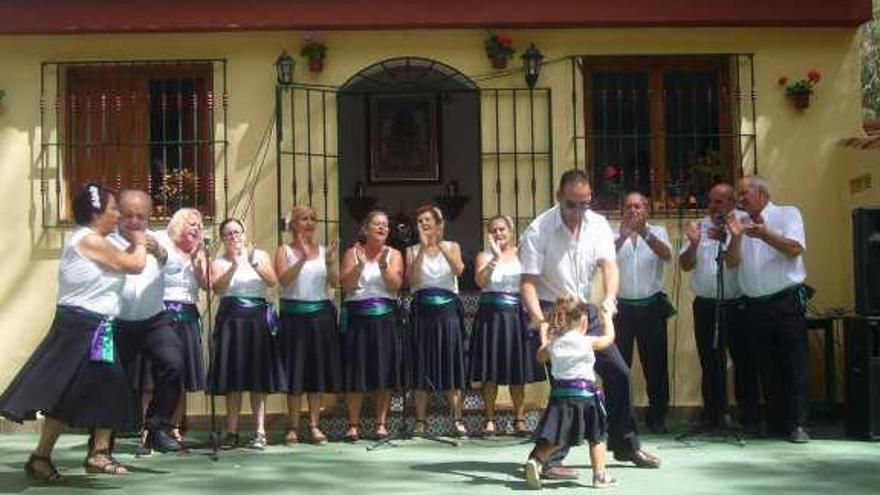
(316, 64)
(499, 61)
(801, 101)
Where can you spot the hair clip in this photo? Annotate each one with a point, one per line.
(95, 196)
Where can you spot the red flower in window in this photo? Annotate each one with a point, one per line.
(813, 75)
(610, 172)
(783, 81)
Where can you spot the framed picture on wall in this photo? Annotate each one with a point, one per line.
(403, 138)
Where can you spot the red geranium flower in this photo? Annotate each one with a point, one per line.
(783, 80)
(813, 75)
(610, 172)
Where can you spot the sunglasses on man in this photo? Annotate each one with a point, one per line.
(576, 205)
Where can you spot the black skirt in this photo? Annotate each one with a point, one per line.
(437, 355)
(309, 349)
(500, 350)
(246, 355)
(371, 356)
(61, 381)
(571, 420)
(187, 325)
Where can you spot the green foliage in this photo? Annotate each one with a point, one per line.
(871, 66)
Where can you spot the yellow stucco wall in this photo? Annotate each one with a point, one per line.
(796, 152)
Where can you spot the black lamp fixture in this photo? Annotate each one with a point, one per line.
(284, 68)
(531, 64)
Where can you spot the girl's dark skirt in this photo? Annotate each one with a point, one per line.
(372, 359)
(187, 325)
(309, 349)
(571, 420)
(61, 381)
(437, 356)
(501, 351)
(246, 354)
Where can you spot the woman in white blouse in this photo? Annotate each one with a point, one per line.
(371, 276)
(246, 354)
(503, 351)
(309, 338)
(432, 270)
(74, 377)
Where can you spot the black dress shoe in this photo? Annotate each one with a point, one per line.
(640, 458)
(162, 441)
(799, 435)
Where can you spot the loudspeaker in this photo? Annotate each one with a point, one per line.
(862, 349)
(866, 246)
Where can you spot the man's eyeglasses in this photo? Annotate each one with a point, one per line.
(576, 205)
(233, 234)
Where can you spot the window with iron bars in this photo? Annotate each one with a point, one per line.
(668, 127)
(149, 125)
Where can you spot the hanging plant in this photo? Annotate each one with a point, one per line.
(499, 49)
(800, 91)
(315, 52)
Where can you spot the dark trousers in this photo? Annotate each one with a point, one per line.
(733, 337)
(778, 334)
(155, 338)
(646, 327)
(623, 436)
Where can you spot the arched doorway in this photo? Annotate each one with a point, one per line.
(408, 133)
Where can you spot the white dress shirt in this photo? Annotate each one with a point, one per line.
(565, 263)
(764, 270)
(641, 270)
(144, 293)
(703, 277)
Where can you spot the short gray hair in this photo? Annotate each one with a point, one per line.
(758, 182)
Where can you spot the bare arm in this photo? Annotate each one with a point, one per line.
(604, 340)
(611, 284)
(100, 250)
(287, 273)
(414, 266)
(331, 259)
(529, 294)
(221, 279)
(452, 252)
(688, 259)
(485, 267)
(658, 247)
(392, 270)
(200, 267)
(263, 266)
(351, 270)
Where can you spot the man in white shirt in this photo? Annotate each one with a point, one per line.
(699, 255)
(144, 325)
(642, 251)
(768, 249)
(560, 252)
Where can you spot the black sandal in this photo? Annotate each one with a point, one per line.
(49, 475)
(352, 437)
(458, 427)
(112, 466)
(381, 436)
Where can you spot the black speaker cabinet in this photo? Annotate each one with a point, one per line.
(866, 247)
(862, 348)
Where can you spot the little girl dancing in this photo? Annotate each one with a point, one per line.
(575, 411)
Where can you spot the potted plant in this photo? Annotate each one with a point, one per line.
(315, 52)
(799, 91)
(609, 188)
(499, 48)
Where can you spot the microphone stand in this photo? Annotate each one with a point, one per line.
(719, 376)
(214, 435)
